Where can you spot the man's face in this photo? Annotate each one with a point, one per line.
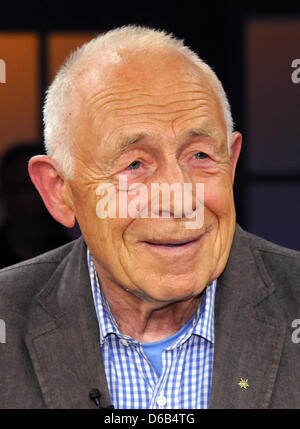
(155, 121)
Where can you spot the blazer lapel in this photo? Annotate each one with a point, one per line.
(63, 340)
(249, 332)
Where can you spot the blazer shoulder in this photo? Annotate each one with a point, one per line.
(281, 266)
(22, 281)
(271, 250)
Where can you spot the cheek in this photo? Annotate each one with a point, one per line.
(84, 213)
(112, 230)
(218, 197)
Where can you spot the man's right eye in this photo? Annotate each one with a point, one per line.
(134, 165)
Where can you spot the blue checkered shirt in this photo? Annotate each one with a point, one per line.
(186, 375)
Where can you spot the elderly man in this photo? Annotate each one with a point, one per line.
(148, 309)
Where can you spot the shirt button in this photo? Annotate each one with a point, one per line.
(161, 401)
(124, 342)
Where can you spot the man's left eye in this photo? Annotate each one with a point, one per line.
(200, 155)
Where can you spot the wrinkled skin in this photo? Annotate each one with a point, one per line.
(156, 120)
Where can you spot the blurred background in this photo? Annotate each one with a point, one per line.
(250, 45)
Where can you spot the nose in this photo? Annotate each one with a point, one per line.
(172, 192)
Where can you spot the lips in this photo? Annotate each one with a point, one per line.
(174, 248)
(171, 243)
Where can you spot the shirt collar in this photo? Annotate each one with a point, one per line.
(203, 320)
(204, 316)
(106, 320)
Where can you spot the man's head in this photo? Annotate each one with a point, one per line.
(137, 103)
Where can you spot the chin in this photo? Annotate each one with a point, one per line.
(172, 290)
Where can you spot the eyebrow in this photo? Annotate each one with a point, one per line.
(206, 132)
(124, 141)
(202, 132)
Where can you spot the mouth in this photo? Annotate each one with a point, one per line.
(172, 243)
(173, 247)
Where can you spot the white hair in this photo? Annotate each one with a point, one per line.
(128, 38)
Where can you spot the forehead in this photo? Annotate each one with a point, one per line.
(142, 94)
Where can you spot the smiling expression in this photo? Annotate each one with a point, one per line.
(155, 119)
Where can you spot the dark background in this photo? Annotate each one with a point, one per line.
(266, 194)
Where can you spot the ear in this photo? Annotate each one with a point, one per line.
(235, 149)
(52, 187)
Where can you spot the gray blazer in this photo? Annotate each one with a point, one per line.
(52, 357)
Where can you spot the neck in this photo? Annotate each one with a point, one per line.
(147, 320)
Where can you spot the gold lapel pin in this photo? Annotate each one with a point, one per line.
(243, 383)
